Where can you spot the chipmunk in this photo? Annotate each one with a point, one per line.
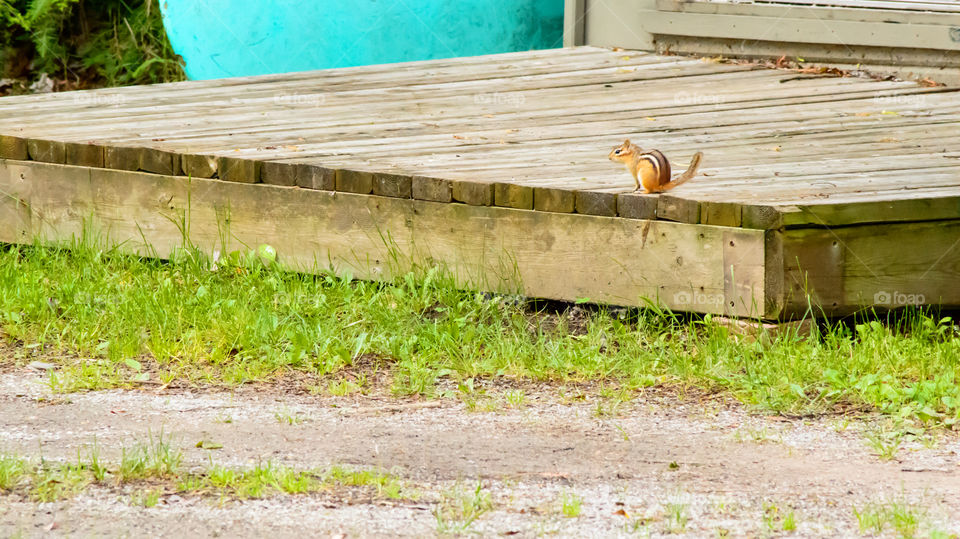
(651, 169)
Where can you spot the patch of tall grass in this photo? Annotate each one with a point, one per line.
(247, 321)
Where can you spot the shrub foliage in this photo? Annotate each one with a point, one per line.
(86, 42)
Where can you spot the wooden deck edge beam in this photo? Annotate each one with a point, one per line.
(841, 214)
(563, 256)
(840, 271)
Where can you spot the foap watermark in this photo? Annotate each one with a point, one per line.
(107, 100)
(890, 98)
(513, 99)
(696, 98)
(897, 298)
(300, 100)
(697, 297)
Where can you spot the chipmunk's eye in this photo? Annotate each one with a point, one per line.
(617, 152)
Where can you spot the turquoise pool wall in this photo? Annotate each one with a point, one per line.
(228, 38)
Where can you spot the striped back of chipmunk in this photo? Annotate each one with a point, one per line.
(660, 164)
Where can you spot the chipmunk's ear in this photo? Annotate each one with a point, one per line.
(626, 142)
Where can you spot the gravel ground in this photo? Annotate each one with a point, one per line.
(660, 465)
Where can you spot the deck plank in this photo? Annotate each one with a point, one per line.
(528, 131)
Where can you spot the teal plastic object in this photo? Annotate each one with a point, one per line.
(229, 38)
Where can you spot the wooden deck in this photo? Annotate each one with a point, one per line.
(842, 192)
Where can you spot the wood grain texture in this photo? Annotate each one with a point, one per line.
(121, 157)
(392, 185)
(47, 151)
(596, 203)
(511, 195)
(637, 206)
(355, 181)
(199, 166)
(473, 193)
(84, 155)
(160, 161)
(531, 131)
(432, 189)
(316, 177)
(233, 169)
(278, 173)
(554, 199)
(13, 147)
(883, 266)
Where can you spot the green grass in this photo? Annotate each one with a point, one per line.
(570, 504)
(459, 508)
(145, 498)
(675, 517)
(149, 321)
(385, 485)
(289, 417)
(778, 520)
(885, 444)
(260, 481)
(155, 468)
(156, 458)
(11, 471)
(56, 481)
(900, 516)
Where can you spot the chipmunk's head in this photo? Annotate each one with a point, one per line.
(624, 153)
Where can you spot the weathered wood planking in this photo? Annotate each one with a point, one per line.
(386, 129)
(550, 255)
(838, 271)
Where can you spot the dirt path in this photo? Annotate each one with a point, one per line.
(731, 470)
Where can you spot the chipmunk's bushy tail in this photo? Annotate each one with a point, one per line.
(687, 174)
